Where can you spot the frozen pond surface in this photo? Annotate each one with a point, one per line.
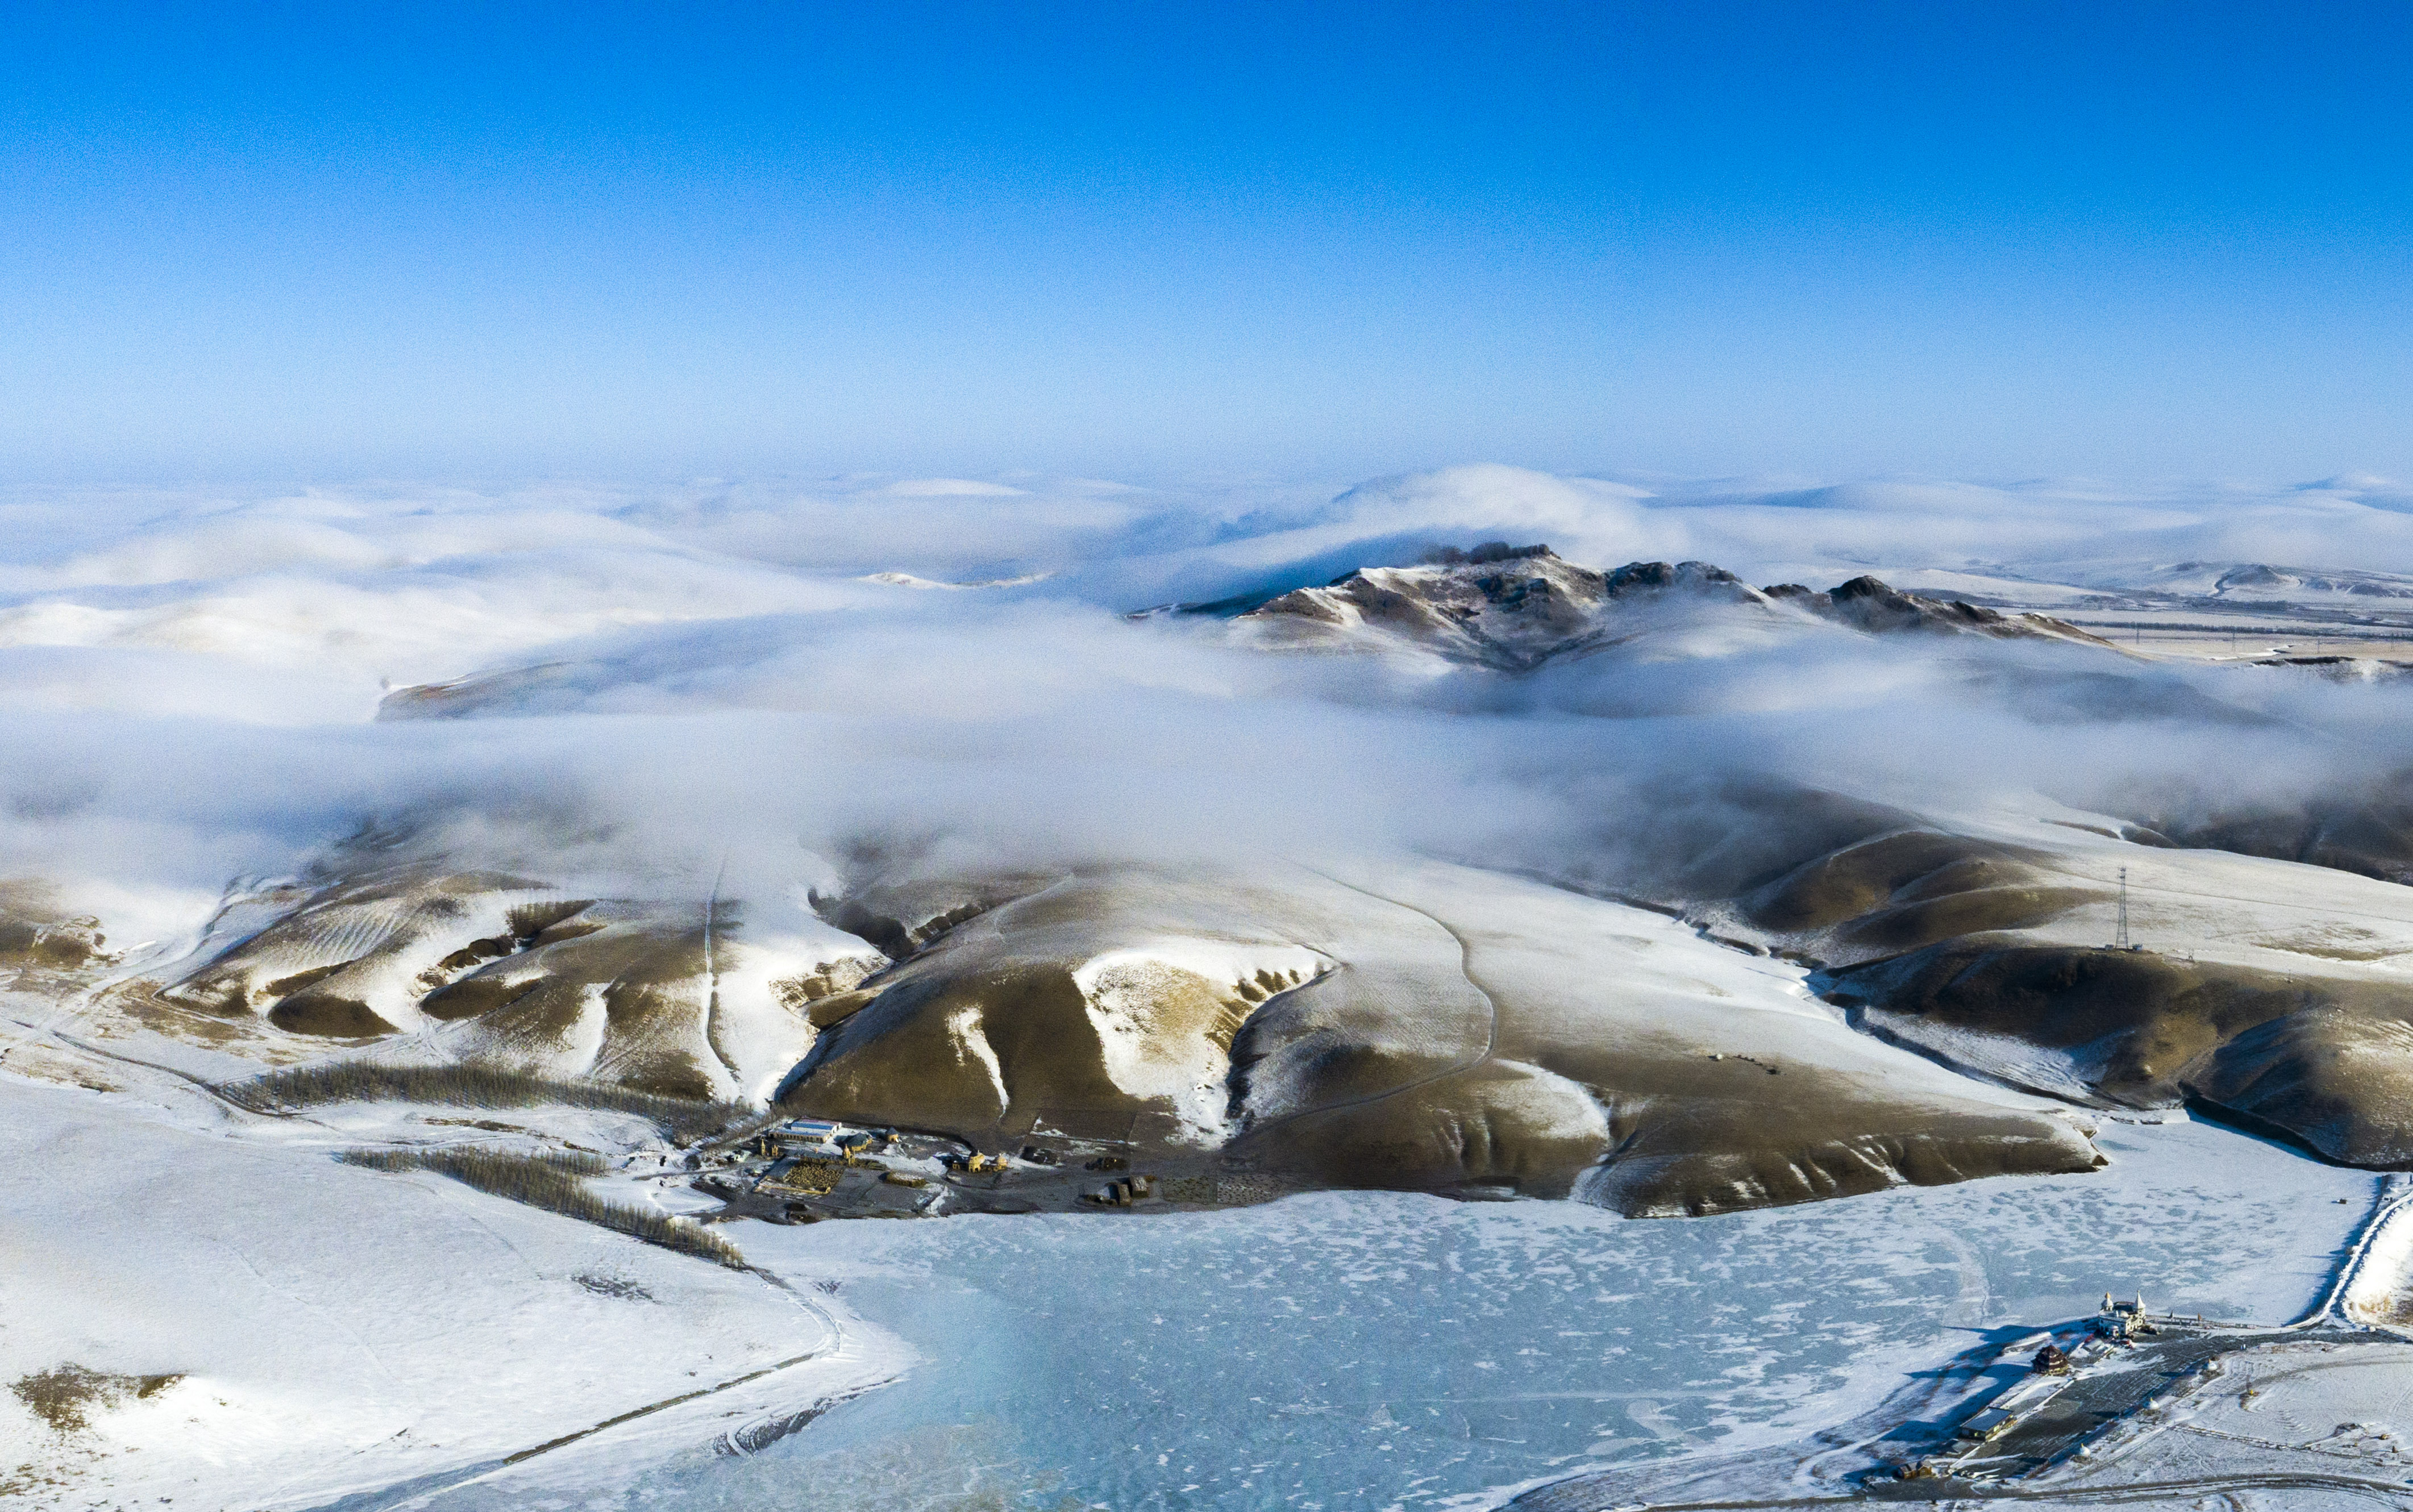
(1372, 1351)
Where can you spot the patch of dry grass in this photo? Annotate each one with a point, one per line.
(66, 1395)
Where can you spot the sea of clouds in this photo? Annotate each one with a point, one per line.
(758, 679)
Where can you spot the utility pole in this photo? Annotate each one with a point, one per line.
(2121, 942)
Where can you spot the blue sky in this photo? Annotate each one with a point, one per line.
(2000, 241)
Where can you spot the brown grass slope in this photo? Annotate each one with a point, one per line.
(986, 1031)
(1927, 930)
(2327, 1061)
(1610, 1075)
(1474, 1031)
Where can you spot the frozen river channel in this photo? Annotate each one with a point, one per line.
(1373, 1350)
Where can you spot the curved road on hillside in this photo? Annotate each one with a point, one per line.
(1466, 968)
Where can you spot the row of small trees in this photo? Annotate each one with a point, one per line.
(554, 1181)
(680, 1119)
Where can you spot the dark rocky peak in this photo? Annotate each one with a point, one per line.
(1872, 604)
(1660, 575)
(1493, 573)
(1484, 555)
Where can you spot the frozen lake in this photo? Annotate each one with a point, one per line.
(1372, 1351)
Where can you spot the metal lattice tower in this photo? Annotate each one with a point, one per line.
(2122, 941)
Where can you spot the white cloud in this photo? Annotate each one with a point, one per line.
(950, 488)
(186, 685)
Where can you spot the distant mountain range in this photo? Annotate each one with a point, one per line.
(1514, 608)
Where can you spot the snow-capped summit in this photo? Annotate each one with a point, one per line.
(1513, 608)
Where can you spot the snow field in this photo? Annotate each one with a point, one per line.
(340, 1330)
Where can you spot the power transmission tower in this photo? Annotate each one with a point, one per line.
(2122, 941)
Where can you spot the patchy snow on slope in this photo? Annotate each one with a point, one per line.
(2003, 1057)
(1164, 1012)
(1987, 588)
(970, 1039)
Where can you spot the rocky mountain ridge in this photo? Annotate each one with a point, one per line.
(1513, 609)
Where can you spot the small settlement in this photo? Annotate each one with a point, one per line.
(2098, 1368)
(804, 1170)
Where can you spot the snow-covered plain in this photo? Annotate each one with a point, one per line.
(333, 1331)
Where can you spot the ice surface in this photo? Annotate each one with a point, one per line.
(1372, 1351)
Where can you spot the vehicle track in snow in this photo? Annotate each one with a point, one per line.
(426, 1489)
(421, 1491)
(712, 981)
(212, 1088)
(1466, 968)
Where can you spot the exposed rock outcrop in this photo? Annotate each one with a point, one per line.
(1513, 609)
(1868, 604)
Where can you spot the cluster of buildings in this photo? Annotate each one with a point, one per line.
(1977, 1448)
(1123, 1192)
(2122, 1322)
(802, 1170)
